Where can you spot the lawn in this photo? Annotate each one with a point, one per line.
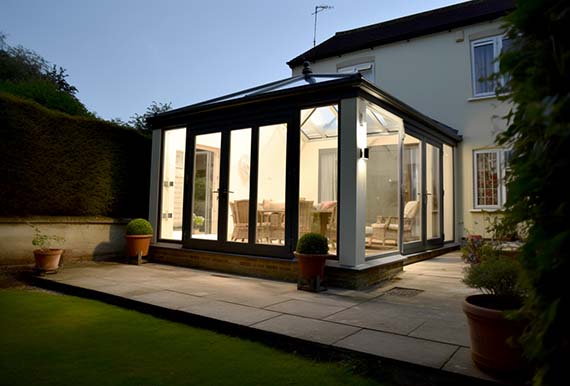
(50, 339)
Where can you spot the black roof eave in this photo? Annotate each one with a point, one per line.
(356, 83)
(224, 103)
(326, 49)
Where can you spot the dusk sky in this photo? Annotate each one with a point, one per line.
(124, 54)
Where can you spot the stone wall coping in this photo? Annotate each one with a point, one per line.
(63, 220)
(179, 246)
(369, 264)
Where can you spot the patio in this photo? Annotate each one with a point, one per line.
(414, 320)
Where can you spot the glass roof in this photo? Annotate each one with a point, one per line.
(284, 84)
(380, 121)
(320, 122)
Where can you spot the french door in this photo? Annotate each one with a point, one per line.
(237, 196)
(421, 212)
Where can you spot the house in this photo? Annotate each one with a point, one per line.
(236, 180)
(434, 61)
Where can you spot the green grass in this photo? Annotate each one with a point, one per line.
(48, 339)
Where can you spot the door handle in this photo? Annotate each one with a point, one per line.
(218, 191)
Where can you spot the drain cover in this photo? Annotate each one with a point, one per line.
(404, 292)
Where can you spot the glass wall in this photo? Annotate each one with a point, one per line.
(172, 186)
(238, 185)
(271, 175)
(382, 180)
(206, 183)
(318, 178)
(412, 189)
(448, 193)
(433, 194)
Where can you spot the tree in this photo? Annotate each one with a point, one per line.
(25, 73)
(138, 121)
(538, 71)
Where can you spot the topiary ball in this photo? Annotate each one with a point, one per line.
(313, 244)
(139, 226)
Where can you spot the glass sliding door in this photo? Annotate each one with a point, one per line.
(238, 185)
(412, 190)
(238, 190)
(448, 194)
(206, 185)
(422, 212)
(172, 189)
(271, 179)
(432, 194)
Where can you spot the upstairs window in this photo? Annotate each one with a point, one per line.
(365, 69)
(484, 53)
(489, 178)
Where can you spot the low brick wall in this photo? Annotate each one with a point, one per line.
(86, 238)
(414, 258)
(271, 268)
(362, 278)
(279, 269)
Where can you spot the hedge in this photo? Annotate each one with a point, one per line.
(54, 164)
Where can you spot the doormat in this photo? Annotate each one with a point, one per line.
(404, 292)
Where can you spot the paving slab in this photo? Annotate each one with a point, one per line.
(447, 332)
(127, 290)
(398, 347)
(248, 298)
(308, 329)
(327, 297)
(228, 312)
(304, 308)
(383, 317)
(168, 299)
(461, 363)
(427, 329)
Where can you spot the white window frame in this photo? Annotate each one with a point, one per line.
(360, 67)
(502, 156)
(497, 42)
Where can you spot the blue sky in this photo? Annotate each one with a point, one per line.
(124, 54)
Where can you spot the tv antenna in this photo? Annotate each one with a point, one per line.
(318, 8)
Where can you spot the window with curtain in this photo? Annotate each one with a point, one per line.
(484, 53)
(489, 174)
(328, 167)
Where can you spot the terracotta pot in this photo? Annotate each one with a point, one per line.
(136, 243)
(494, 338)
(311, 267)
(47, 260)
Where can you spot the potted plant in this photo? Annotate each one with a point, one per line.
(47, 258)
(493, 330)
(312, 251)
(138, 236)
(197, 222)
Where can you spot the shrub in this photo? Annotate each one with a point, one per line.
(495, 275)
(139, 226)
(55, 164)
(536, 67)
(313, 244)
(46, 94)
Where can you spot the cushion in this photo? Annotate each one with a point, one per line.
(326, 205)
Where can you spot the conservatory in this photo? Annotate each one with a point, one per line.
(248, 173)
